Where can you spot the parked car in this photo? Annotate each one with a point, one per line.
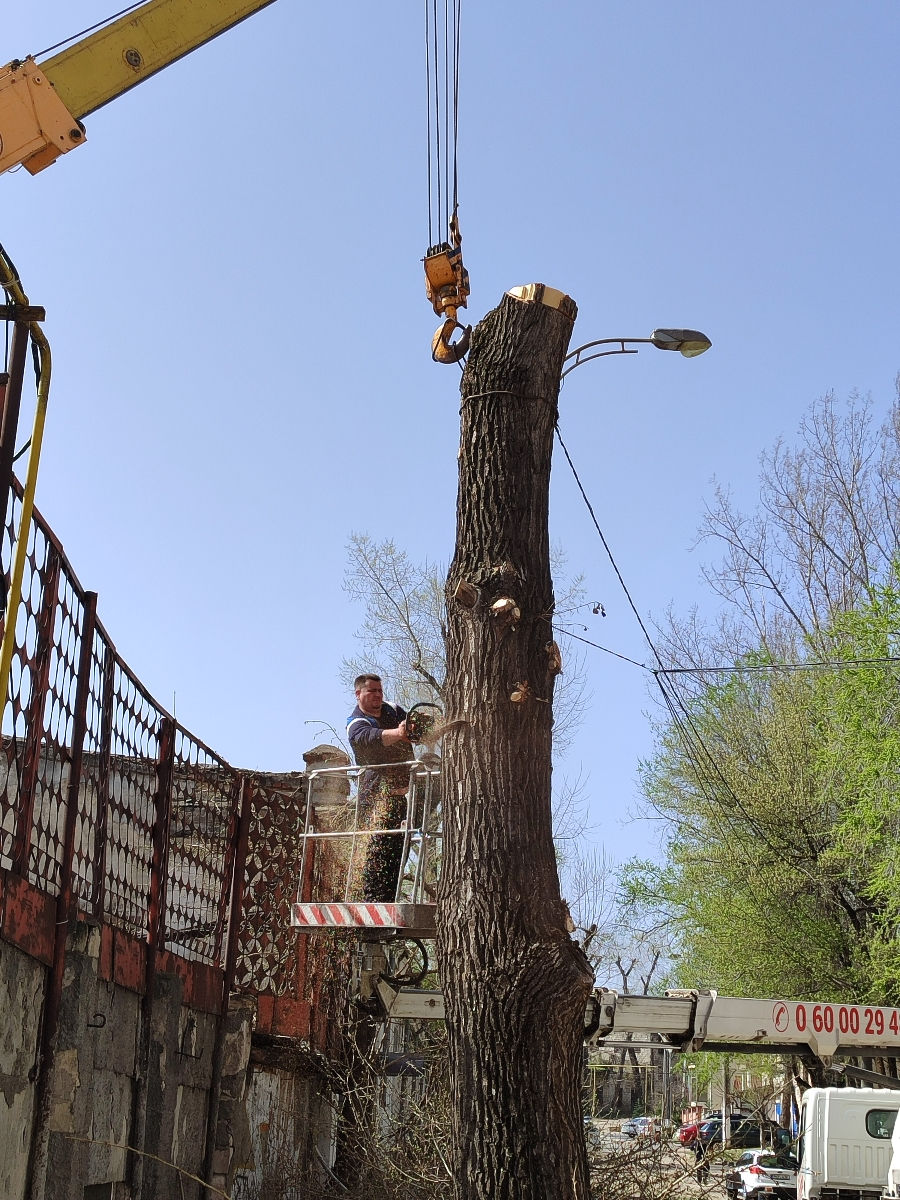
(743, 1131)
(687, 1133)
(759, 1173)
(639, 1127)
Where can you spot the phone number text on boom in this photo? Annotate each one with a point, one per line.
(846, 1018)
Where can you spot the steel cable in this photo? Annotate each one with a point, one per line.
(442, 27)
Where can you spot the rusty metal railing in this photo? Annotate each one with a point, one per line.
(147, 804)
(114, 809)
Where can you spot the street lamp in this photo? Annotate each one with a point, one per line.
(690, 343)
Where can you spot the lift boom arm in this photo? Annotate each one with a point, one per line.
(694, 1020)
(42, 106)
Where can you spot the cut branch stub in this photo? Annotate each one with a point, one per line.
(465, 595)
(554, 659)
(505, 612)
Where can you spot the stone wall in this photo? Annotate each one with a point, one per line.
(21, 992)
(132, 1069)
(292, 1130)
(98, 1100)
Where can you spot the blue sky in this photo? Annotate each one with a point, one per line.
(231, 272)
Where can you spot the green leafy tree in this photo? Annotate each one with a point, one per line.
(745, 880)
(858, 769)
(776, 787)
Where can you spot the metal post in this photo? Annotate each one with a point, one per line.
(156, 922)
(225, 917)
(101, 839)
(65, 902)
(4, 388)
(34, 715)
(667, 1087)
(240, 839)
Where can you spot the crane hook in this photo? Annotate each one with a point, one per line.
(445, 351)
(447, 287)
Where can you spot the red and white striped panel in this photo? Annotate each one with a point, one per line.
(349, 916)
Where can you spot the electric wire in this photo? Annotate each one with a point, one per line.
(596, 646)
(727, 668)
(609, 553)
(838, 664)
(90, 29)
(709, 777)
(681, 719)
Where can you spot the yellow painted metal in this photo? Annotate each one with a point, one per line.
(447, 288)
(14, 290)
(35, 125)
(121, 55)
(440, 272)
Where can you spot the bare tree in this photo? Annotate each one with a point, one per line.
(403, 629)
(824, 533)
(402, 633)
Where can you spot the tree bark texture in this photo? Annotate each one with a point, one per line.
(515, 984)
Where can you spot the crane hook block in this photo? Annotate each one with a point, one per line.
(445, 351)
(447, 287)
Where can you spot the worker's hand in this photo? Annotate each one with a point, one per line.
(392, 737)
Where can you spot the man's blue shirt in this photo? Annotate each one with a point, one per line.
(364, 733)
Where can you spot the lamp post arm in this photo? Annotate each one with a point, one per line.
(575, 359)
(690, 342)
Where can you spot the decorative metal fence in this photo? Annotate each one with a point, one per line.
(268, 953)
(101, 790)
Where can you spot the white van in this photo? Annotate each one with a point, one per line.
(845, 1142)
(892, 1187)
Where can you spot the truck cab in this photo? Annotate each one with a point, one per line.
(892, 1188)
(845, 1142)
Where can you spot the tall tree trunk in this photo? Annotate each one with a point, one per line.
(515, 984)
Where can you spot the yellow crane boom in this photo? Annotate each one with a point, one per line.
(42, 105)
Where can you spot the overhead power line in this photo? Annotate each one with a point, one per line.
(837, 664)
(709, 776)
(609, 553)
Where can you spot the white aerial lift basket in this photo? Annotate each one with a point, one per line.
(337, 834)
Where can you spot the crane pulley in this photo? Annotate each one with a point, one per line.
(447, 287)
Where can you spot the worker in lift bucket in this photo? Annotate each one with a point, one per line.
(377, 734)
